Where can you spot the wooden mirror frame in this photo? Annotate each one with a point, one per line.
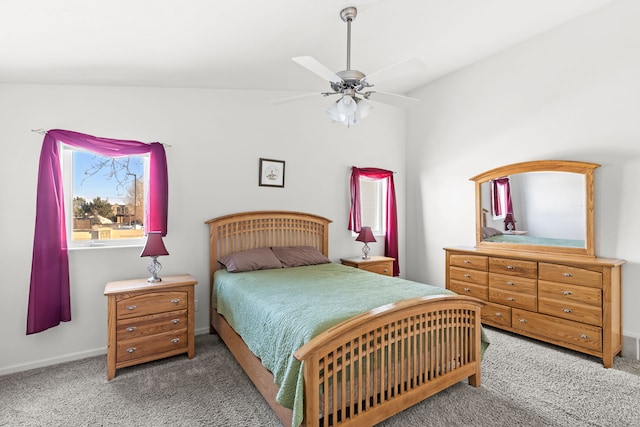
(587, 169)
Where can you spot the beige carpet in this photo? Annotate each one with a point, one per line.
(525, 383)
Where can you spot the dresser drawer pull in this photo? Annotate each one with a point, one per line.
(498, 314)
(385, 270)
(511, 299)
(175, 301)
(584, 336)
(567, 274)
(131, 328)
(567, 310)
(566, 292)
(175, 340)
(131, 350)
(132, 307)
(175, 321)
(523, 320)
(467, 290)
(466, 261)
(468, 276)
(510, 283)
(510, 267)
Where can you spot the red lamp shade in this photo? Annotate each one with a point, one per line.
(366, 235)
(154, 245)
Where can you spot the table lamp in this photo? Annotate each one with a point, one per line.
(366, 236)
(154, 248)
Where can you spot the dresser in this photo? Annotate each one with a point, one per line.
(376, 264)
(571, 301)
(149, 321)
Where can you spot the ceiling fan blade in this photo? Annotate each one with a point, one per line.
(392, 99)
(399, 71)
(311, 64)
(294, 98)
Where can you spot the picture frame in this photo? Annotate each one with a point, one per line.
(271, 173)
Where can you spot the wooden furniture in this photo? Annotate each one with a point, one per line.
(553, 290)
(376, 264)
(573, 302)
(422, 323)
(149, 321)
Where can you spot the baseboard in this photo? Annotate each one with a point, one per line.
(631, 347)
(53, 361)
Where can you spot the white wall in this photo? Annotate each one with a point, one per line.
(216, 138)
(572, 93)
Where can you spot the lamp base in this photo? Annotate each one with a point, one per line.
(365, 251)
(154, 268)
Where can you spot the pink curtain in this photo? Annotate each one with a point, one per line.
(502, 185)
(355, 214)
(49, 295)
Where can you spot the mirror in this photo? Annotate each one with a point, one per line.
(540, 206)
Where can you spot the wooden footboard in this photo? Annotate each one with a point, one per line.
(386, 360)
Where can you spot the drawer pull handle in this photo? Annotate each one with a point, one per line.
(131, 328)
(175, 321)
(498, 314)
(175, 301)
(566, 310)
(510, 283)
(466, 261)
(385, 270)
(468, 276)
(511, 299)
(510, 267)
(467, 290)
(131, 350)
(567, 274)
(584, 336)
(175, 340)
(132, 307)
(523, 320)
(566, 292)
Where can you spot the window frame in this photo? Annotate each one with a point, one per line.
(66, 166)
(380, 206)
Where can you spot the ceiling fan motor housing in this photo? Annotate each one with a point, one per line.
(351, 79)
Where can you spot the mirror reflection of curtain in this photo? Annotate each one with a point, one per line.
(501, 202)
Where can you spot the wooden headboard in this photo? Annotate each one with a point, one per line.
(259, 229)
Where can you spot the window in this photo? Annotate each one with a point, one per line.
(373, 196)
(104, 198)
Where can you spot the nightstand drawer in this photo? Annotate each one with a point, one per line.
(385, 268)
(151, 345)
(152, 324)
(151, 303)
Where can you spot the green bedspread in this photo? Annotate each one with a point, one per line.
(277, 311)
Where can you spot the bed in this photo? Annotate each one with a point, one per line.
(360, 370)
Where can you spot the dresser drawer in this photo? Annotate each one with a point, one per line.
(571, 310)
(152, 324)
(565, 331)
(513, 299)
(514, 267)
(468, 275)
(571, 275)
(496, 314)
(570, 293)
(151, 345)
(477, 291)
(384, 268)
(522, 285)
(151, 303)
(476, 262)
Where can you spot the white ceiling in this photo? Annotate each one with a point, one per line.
(248, 44)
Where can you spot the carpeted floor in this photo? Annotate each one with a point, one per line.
(525, 383)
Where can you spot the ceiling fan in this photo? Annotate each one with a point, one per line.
(353, 86)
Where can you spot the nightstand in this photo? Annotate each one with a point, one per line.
(149, 321)
(376, 264)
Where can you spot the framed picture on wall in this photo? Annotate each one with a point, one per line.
(271, 173)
